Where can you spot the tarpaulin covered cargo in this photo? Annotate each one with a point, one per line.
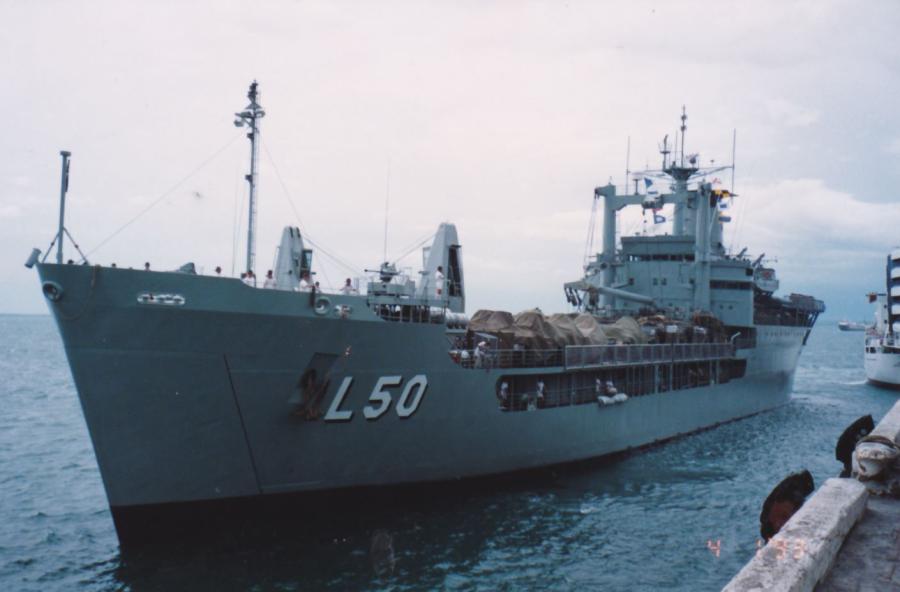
(625, 330)
(489, 321)
(567, 332)
(534, 331)
(498, 323)
(591, 329)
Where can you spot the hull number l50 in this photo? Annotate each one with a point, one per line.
(380, 399)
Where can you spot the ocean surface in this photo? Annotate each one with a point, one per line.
(678, 516)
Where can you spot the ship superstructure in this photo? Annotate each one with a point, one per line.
(689, 271)
(204, 389)
(882, 355)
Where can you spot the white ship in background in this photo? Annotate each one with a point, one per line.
(883, 339)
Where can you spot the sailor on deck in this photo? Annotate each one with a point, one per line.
(503, 395)
(348, 288)
(439, 281)
(270, 281)
(305, 285)
(480, 352)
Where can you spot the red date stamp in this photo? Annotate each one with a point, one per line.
(785, 548)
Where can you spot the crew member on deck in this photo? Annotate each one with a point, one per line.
(348, 288)
(439, 281)
(480, 352)
(305, 285)
(269, 284)
(503, 395)
(539, 394)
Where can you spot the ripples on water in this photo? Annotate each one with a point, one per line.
(642, 522)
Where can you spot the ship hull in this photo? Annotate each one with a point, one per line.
(883, 369)
(191, 401)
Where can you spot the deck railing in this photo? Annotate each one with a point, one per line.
(594, 356)
(509, 358)
(598, 356)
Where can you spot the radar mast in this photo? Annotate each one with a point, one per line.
(250, 116)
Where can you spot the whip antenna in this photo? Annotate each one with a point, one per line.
(387, 198)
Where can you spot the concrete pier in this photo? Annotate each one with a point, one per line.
(845, 538)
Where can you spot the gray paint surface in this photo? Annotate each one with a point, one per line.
(193, 401)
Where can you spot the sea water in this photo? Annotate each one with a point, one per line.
(679, 516)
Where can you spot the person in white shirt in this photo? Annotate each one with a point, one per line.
(439, 281)
(348, 288)
(247, 278)
(480, 351)
(269, 284)
(305, 285)
(504, 394)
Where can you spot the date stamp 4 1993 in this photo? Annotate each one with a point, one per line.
(785, 548)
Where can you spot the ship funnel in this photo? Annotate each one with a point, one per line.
(445, 252)
(293, 259)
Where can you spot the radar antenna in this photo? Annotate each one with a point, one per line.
(664, 150)
(250, 116)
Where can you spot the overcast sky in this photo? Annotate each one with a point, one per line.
(499, 116)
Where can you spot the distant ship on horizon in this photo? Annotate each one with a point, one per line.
(851, 326)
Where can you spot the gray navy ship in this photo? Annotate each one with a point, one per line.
(203, 391)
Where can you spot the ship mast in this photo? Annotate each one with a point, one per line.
(251, 116)
(63, 189)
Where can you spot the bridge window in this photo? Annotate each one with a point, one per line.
(726, 285)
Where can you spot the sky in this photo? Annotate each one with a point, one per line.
(500, 117)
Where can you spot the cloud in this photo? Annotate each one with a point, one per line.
(800, 212)
(893, 146)
(789, 114)
(10, 211)
(820, 236)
